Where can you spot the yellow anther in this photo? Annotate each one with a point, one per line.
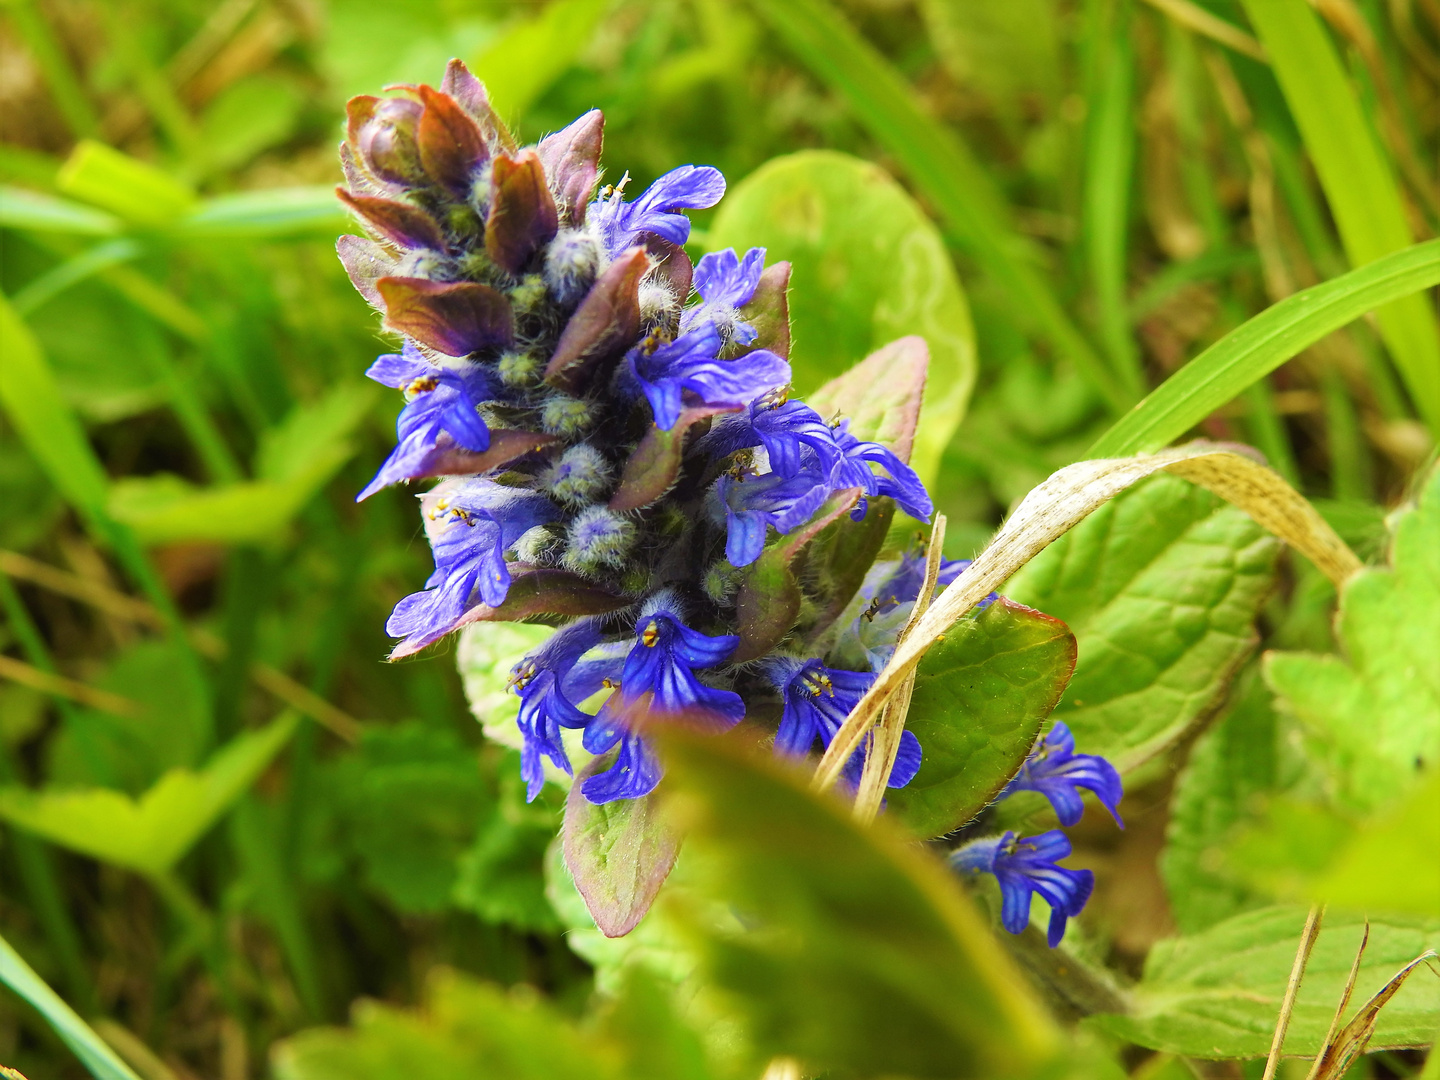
(651, 634)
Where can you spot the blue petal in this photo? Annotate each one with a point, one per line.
(634, 774)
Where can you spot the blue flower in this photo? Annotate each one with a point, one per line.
(441, 401)
(726, 283)
(1025, 866)
(689, 363)
(884, 603)
(472, 525)
(898, 481)
(690, 187)
(1057, 772)
(549, 681)
(657, 682)
(754, 503)
(817, 701)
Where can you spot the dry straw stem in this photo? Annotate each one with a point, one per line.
(1340, 1009)
(1194, 17)
(118, 604)
(1061, 503)
(886, 743)
(20, 672)
(1340, 1051)
(1292, 988)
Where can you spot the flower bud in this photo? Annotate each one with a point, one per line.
(658, 304)
(566, 416)
(571, 263)
(387, 143)
(580, 477)
(598, 538)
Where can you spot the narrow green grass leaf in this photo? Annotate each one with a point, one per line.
(78, 1035)
(940, 165)
(1256, 348)
(272, 214)
(521, 64)
(21, 208)
(75, 270)
(1359, 183)
(134, 189)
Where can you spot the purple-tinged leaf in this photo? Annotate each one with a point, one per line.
(454, 318)
(655, 463)
(604, 326)
(769, 600)
(671, 264)
(522, 212)
(769, 312)
(619, 853)
(449, 459)
(366, 262)
(470, 93)
(400, 223)
(451, 145)
(358, 111)
(881, 395)
(571, 158)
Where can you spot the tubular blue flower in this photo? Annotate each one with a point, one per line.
(440, 401)
(1026, 866)
(1057, 772)
(472, 525)
(690, 187)
(657, 682)
(726, 283)
(549, 681)
(756, 502)
(817, 701)
(666, 372)
(884, 602)
(898, 481)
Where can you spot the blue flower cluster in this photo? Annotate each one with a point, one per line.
(1025, 866)
(612, 434)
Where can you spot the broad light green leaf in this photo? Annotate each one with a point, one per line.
(1253, 350)
(1359, 183)
(869, 267)
(981, 697)
(21, 208)
(1216, 995)
(1376, 712)
(1161, 587)
(78, 1035)
(939, 164)
(247, 117)
(151, 833)
(522, 63)
(136, 190)
(860, 953)
(501, 876)
(272, 213)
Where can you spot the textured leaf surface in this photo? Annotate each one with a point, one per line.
(980, 698)
(868, 267)
(1217, 994)
(881, 395)
(1161, 587)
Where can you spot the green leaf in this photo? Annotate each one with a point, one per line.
(520, 65)
(92, 1051)
(939, 165)
(1375, 713)
(313, 440)
(134, 189)
(881, 395)
(1216, 994)
(1359, 183)
(149, 834)
(1253, 350)
(981, 696)
(21, 208)
(1161, 587)
(868, 267)
(269, 214)
(859, 952)
(248, 116)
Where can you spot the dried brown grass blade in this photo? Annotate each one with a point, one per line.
(1344, 1003)
(1292, 988)
(1335, 1057)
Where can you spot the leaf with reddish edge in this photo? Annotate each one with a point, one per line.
(450, 459)
(522, 212)
(769, 312)
(672, 265)
(881, 394)
(604, 326)
(619, 854)
(366, 262)
(982, 695)
(845, 552)
(451, 146)
(769, 600)
(655, 464)
(454, 318)
(400, 223)
(533, 591)
(571, 158)
(470, 93)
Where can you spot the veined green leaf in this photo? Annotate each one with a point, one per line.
(21, 208)
(270, 214)
(940, 165)
(134, 189)
(1358, 180)
(149, 834)
(78, 1035)
(1256, 348)
(522, 63)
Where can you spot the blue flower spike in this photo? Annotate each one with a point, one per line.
(1057, 772)
(1024, 866)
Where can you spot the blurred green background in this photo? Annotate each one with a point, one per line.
(1115, 184)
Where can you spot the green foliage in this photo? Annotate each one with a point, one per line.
(1216, 994)
(1161, 587)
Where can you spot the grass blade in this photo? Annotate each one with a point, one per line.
(1251, 351)
(940, 165)
(78, 1035)
(1358, 180)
